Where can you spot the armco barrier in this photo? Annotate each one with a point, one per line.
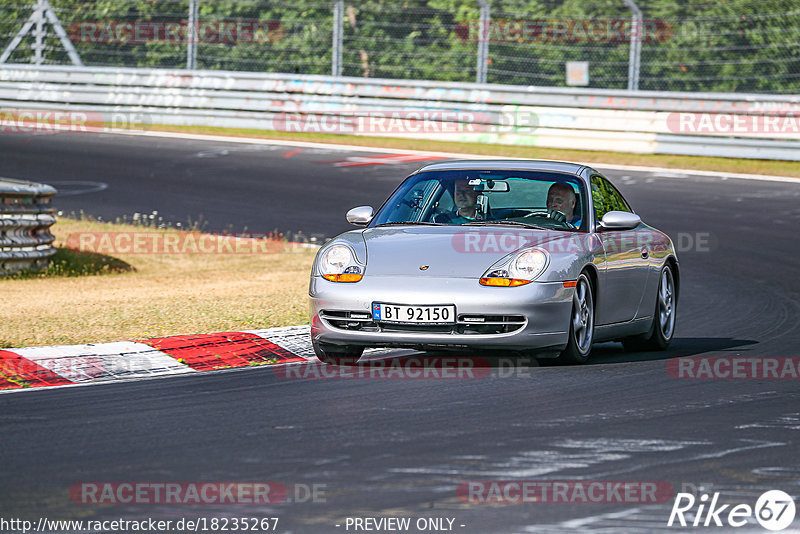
(25, 220)
(725, 125)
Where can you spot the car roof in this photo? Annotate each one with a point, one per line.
(506, 164)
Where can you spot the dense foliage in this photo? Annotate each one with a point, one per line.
(693, 45)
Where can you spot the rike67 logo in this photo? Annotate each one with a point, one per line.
(774, 510)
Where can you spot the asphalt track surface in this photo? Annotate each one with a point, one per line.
(401, 447)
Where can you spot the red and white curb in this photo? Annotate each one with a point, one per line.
(101, 362)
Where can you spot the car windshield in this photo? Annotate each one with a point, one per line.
(487, 197)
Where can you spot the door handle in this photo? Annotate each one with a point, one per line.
(645, 252)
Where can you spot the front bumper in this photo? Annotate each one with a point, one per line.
(537, 314)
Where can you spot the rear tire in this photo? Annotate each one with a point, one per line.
(663, 327)
(337, 354)
(581, 324)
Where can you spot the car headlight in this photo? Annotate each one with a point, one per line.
(523, 268)
(338, 264)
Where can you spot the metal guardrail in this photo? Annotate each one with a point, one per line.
(25, 220)
(623, 121)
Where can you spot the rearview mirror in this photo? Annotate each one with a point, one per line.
(360, 216)
(620, 220)
(491, 186)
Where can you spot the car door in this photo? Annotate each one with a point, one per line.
(626, 265)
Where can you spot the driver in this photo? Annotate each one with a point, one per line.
(561, 198)
(466, 199)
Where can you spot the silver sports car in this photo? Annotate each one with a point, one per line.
(529, 257)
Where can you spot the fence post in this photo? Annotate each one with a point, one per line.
(191, 37)
(39, 34)
(338, 35)
(483, 41)
(636, 45)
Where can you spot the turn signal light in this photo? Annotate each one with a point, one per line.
(347, 277)
(503, 282)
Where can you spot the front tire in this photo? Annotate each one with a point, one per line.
(337, 354)
(581, 327)
(663, 328)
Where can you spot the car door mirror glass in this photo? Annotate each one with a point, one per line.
(620, 220)
(360, 216)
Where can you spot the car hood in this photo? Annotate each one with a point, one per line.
(448, 251)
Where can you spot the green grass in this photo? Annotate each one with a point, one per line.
(67, 262)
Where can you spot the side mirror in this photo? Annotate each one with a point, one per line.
(620, 220)
(360, 216)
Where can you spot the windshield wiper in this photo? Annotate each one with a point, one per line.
(506, 223)
(399, 223)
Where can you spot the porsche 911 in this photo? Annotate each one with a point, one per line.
(520, 257)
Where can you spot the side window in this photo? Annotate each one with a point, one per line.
(410, 203)
(606, 198)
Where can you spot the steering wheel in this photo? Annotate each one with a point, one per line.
(442, 217)
(550, 214)
(553, 215)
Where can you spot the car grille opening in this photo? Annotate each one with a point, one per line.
(467, 324)
(350, 320)
(489, 324)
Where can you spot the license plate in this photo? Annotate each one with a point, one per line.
(399, 313)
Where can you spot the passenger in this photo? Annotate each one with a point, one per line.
(465, 199)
